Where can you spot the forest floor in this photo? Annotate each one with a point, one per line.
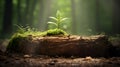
(7, 60)
(45, 61)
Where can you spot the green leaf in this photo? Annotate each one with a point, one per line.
(54, 18)
(58, 19)
(58, 14)
(64, 19)
(52, 23)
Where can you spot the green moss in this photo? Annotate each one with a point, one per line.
(51, 32)
(54, 32)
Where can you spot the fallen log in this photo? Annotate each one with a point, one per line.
(94, 46)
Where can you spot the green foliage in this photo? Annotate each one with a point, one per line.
(28, 31)
(22, 29)
(58, 20)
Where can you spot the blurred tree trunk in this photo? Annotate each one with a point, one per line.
(31, 14)
(26, 12)
(97, 24)
(41, 14)
(74, 24)
(45, 10)
(1, 11)
(28, 17)
(116, 17)
(19, 12)
(7, 18)
(47, 13)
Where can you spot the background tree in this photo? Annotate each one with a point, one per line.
(45, 10)
(97, 23)
(32, 9)
(19, 13)
(116, 17)
(74, 20)
(7, 18)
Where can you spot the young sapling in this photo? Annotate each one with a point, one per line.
(58, 20)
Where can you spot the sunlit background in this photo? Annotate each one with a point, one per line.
(86, 17)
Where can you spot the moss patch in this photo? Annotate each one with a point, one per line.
(54, 32)
(51, 32)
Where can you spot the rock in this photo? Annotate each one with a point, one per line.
(87, 59)
(27, 56)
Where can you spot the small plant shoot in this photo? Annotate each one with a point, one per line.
(58, 19)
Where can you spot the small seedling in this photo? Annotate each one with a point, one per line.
(22, 29)
(58, 20)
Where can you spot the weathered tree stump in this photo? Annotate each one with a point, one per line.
(94, 46)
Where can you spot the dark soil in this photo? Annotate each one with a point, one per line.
(45, 61)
